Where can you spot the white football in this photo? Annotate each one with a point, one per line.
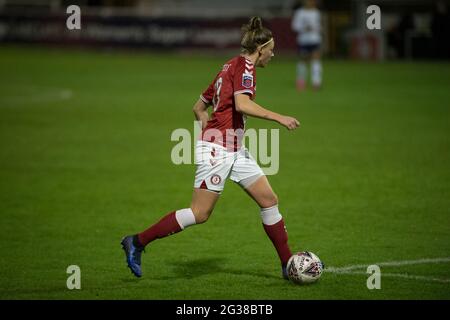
(304, 267)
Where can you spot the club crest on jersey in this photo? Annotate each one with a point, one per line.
(247, 80)
(216, 179)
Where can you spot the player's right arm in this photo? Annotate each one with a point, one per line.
(201, 106)
(201, 112)
(246, 106)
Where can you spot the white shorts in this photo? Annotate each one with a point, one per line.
(215, 164)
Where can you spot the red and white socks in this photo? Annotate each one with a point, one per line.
(171, 223)
(276, 230)
(177, 221)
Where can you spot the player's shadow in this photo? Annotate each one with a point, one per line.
(212, 265)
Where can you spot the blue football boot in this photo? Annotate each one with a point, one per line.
(133, 254)
(284, 272)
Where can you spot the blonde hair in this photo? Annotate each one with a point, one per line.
(254, 35)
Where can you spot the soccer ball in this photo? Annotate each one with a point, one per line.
(304, 267)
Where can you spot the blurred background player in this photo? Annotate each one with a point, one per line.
(220, 153)
(306, 23)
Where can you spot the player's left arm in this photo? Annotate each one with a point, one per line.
(246, 106)
(201, 112)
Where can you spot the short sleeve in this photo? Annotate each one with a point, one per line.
(296, 23)
(244, 80)
(208, 94)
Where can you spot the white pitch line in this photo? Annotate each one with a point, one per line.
(33, 93)
(387, 264)
(399, 275)
(349, 269)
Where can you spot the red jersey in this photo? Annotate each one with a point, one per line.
(226, 126)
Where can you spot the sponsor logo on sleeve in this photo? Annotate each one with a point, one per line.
(247, 80)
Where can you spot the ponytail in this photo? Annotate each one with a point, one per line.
(254, 35)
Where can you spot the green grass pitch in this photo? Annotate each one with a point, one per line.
(85, 159)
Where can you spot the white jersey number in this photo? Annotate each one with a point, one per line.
(216, 98)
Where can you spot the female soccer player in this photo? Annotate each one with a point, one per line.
(220, 154)
(306, 22)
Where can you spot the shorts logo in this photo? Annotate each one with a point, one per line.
(213, 154)
(247, 80)
(216, 179)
